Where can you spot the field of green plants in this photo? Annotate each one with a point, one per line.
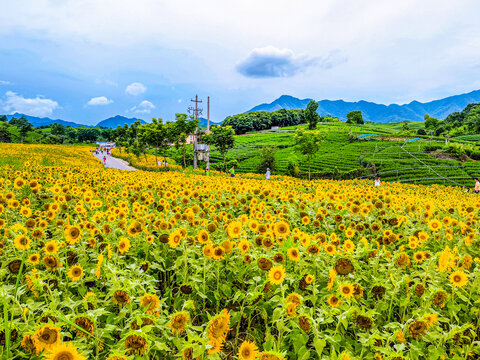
(393, 157)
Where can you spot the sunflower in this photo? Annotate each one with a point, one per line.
(281, 228)
(64, 351)
(364, 322)
(347, 290)
(29, 344)
(294, 298)
(243, 246)
(135, 344)
(349, 246)
(207, 251)
(73, 235)
(431, 320)
(174, 238)
(439, 299)
(332, 275)
(203, 237)
(34, 259)
(434, 225)
(333, 301)
(309, 279)
(344, 266)
(270, 355)
(276, 275)
(178, 322)
(19, 183)
(47, 337)
(248, 351)
(86, 324)
(330, 249)
(51, 247)
(121, 298)
(417, 329)
(218, 328)
(293, 254)
(304, 324)
(458, 278)
(291, 309)
(75, 273)
(419, 256)
(151, 303)
(218, 252)
(22, 242)
(234, 229)
(50, 262)
(124, 245)
(264, 264)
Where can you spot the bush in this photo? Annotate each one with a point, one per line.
(421, 132)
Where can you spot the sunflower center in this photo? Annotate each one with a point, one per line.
(64, 355)
(457, 278)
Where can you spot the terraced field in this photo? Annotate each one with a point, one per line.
(338, 157)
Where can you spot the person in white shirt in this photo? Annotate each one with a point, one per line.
(377, 181)
(268, 174)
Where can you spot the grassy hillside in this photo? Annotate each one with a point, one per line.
(388, 152)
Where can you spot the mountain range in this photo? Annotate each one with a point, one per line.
(413, 111)
(111, 122)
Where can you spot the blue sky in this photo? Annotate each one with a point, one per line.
(85, 61)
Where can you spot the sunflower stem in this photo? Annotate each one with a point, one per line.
(7, 328)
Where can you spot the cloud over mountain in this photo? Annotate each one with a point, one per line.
(145, 107)
(38, 106)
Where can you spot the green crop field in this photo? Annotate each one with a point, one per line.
(385, 150)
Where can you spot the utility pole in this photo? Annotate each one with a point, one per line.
(208, 131)
(197, 111)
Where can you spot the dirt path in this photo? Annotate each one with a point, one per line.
(113, 162)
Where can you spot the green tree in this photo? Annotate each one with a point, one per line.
(5, 135)
(267, 158)
(430, 122)
(355, 117)
(182, 128)
(156, 135)
(3, 118)
(23, 124)
(473, 120)
(311, 115)
(57, 129)
(307, 143)
(85, 134)
(222, 138)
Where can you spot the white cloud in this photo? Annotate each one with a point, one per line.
(4, 82)
(135, 88)
(145, 107)
(38, 106)
(179, 101)
(99, 100)
(270, 61)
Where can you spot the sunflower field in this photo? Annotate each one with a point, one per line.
(98, 263)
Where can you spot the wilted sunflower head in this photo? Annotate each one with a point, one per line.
(121, 297)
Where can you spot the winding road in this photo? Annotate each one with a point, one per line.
(113, 162)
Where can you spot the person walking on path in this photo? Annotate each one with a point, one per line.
(207, 171)
(477, 186)
(267, 175)
(104, 160)
(377, 181)
(232, 171)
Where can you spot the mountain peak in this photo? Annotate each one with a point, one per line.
(117, 120)
(414, 111)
